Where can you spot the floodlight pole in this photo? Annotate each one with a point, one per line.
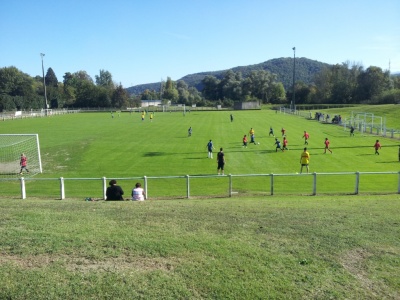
(294, 73)
(44, 85)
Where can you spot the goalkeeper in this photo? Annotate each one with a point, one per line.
(23, 162)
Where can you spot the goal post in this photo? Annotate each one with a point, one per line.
(11, 148)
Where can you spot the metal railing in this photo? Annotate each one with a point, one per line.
(266, 184)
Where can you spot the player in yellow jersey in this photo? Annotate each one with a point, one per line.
(304, 160)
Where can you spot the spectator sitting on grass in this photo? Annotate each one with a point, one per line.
(114, 192)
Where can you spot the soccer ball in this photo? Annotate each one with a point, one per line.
(258, 143)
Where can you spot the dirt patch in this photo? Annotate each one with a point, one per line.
(82, 264)
(353, 262)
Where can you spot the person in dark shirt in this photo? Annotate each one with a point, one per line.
(114, 191)
(220, 161)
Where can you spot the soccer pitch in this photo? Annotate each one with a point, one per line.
(93, 145)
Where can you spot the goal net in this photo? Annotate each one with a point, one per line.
(11, 148)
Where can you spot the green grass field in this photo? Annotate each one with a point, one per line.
(93, 145)
(331, 246)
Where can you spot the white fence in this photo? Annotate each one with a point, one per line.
(188, 186)
(360, 125)
(14, 115)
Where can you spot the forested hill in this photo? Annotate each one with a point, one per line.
(282, 67)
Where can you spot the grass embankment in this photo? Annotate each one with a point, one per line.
(343, 247)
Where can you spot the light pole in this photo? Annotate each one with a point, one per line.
(44, 84)
(294, 72)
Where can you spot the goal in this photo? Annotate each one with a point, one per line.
(11, 148)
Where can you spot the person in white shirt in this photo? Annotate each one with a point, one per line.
(138, 193)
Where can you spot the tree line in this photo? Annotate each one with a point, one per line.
(337, 84)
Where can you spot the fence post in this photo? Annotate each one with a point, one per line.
(62, 188)
(315, 184)
(399, 153)
(230, 185)
(272, 184)
(145, 187)
(398, 186)
(104, 188)
(187, 187)
(23, 191)
(357, 182)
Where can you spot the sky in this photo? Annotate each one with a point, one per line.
(146, 41)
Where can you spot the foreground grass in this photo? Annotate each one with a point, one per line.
(328, 247)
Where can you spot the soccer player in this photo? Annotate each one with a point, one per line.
(271, 131)
(327, 145)
(151, 117)
(231, 118)
(190, 131)
(285, 142)
(220, 161)
(23, 162)
(377, 146)
(278, 145)
(251, 131)
(306, 137)
(283, 130)
(304, 160)
(252, 139)
(351, 131)
(210, 148)
(245, 141)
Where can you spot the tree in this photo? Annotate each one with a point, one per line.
(82, 76)
(210, 90)
(104, 79)
(19, 87)
(183, 93)
(170, 92)
(149, 95)
(51, 78)
(120, 97)
(230, 86)
(86, 94)
(372, 83)
(53, 93)
(277, 94)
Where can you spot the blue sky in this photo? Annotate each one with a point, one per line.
(145, 41)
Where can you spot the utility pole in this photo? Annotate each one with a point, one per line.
(44, 85)
(294, 74)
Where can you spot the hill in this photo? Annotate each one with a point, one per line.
(282, 67)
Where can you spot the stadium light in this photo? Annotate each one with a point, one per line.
(44, 84)
(294, 73)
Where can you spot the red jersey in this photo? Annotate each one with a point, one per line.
(327, 143)
(377, 145)
(23, 161)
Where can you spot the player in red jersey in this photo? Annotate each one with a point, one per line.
(23, 162)
(306, 137)
(377, 146)
(327, 145)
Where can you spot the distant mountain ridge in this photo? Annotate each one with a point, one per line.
(282, 67)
